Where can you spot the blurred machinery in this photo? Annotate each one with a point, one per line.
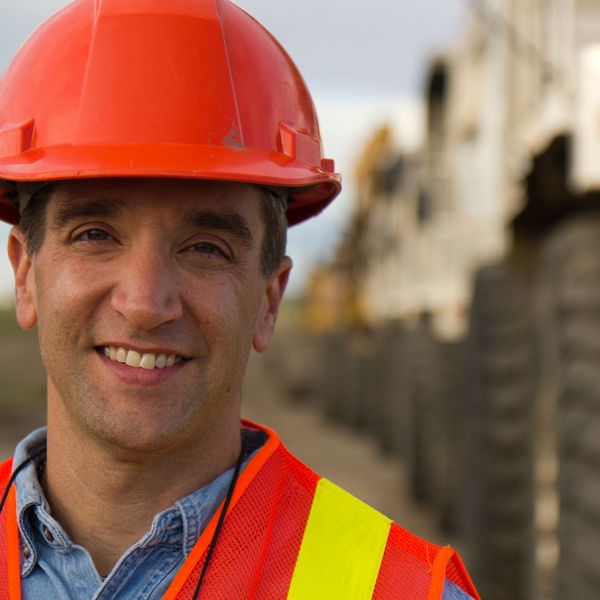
(460, 319)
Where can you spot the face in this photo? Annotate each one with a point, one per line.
(148, 298)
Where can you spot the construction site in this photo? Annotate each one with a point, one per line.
(445, 366)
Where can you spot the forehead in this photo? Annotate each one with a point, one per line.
(167, 198)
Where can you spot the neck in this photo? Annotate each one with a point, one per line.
(106, 498)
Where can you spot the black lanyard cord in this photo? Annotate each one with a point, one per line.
(215, 537)
(32, 458)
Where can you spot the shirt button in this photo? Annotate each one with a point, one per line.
(26, 553)
(47, 534)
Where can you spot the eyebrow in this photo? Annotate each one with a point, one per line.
(70, 210)
(232, 223)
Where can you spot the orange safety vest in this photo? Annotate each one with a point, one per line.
(291, 534)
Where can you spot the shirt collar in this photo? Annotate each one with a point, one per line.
(29, 495)
(182, 523)
(28, 488)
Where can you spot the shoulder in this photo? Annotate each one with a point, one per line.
(336, 534)
(356, 534)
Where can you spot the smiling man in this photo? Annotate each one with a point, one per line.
(152, 155)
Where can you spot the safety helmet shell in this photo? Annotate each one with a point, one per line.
(138, 88)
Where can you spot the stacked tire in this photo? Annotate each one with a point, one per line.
(394, 387)
(572, 261)
(449, 432)
(497, 487)
(420, 431)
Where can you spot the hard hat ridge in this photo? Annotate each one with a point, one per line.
(139, 88)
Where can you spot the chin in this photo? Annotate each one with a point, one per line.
(130, 439)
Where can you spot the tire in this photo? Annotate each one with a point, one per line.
(498, 485)
(448, 431)
(331, 381)
(572, 259)
(422, 443)
(394, 389)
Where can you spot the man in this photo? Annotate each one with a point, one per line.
(151, 155)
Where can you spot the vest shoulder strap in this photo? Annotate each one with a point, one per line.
(5, 472)
(10, 574)
(262, 532)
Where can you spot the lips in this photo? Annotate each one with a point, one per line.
(140, 360)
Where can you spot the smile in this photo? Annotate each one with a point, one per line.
(140, 360)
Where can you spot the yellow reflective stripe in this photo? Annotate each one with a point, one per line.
(342, 548)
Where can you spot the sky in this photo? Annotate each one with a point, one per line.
(363, 62)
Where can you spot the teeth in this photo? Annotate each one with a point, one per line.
(148, 360)
(133, 358)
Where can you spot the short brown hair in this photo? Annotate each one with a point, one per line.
(274, 206)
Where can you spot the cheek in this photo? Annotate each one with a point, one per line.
(66, 293)
(224, 308)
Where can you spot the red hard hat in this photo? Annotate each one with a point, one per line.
(181, 88)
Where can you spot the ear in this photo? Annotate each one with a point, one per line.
(269, 310)
(24, 279)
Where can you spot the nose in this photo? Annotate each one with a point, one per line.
(147, 292)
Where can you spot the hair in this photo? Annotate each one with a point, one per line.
(33, 219)
(273, 204)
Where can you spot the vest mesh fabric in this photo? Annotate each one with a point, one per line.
(413, 580)
(260, 540)
(5, 471)
(457, 573)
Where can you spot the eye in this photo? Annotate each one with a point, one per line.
(94, 235)
(208, 251)
(206, 248)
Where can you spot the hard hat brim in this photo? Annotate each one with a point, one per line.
(310, 189)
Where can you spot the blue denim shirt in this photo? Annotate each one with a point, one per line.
(52, 566)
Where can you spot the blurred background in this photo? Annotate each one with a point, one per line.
(438, 354)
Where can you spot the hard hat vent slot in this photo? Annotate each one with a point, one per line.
(16, 139)
(298, 145)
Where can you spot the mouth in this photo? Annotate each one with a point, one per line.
(138, 359)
